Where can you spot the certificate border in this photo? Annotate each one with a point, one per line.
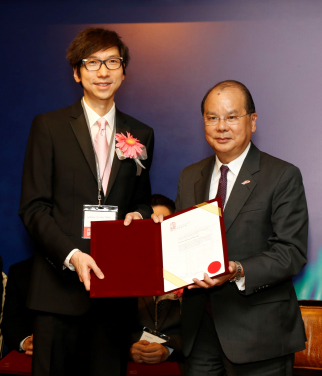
(222, 229)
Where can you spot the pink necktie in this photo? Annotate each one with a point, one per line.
(101, 148)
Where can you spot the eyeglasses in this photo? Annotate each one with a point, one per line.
(230, 120)
(95, 64)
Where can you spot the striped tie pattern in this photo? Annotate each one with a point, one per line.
(101, 149)
(222, 186)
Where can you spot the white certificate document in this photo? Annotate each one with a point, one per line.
(191, 246)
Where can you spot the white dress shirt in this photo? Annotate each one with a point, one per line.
(234, 168)
(92, 117)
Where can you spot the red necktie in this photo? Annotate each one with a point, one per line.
(222, 186)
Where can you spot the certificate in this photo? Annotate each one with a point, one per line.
(145, 259)
(192, 245)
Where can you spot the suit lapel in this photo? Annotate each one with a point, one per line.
(150, 304)
(164, 313)
(80, 128)
(240, 192)
(121, 127)
(202, 186)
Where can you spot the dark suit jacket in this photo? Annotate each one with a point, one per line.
(17, 318)
(169, 322)
(59, 177)
(266, 226)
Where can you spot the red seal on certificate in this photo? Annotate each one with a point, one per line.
(214, 267)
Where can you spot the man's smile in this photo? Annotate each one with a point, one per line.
(103, 84)
(222, 140)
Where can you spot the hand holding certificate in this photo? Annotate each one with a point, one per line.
(166, 257)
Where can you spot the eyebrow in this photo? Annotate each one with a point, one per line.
(233, 111)
(96, 57)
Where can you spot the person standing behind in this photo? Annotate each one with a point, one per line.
(158, 312)
(71, 161)
(17, 318)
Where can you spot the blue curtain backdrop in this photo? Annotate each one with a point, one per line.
(179, 49)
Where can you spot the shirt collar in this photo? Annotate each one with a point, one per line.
(235, 165)
(93, 116)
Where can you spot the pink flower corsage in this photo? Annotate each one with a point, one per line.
(130, 147)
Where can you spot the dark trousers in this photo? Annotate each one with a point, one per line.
(208, 359)
(94, 344)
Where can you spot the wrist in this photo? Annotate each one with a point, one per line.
(23, 343)
(166, 353)
(75, 257)
(239, 272)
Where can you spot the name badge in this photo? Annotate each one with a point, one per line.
(93, 213)
(151, 335)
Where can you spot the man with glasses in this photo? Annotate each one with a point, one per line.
(247, 322)
(72, 160)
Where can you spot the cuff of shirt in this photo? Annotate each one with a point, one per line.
(67, 264)
(170, 349)
(241, 284)
(21, 344)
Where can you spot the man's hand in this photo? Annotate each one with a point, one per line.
(211, 282)
(28, 345)
(154, 353)
(83, 264)
(130, 216)
(157, 218)
(135, 351)
(151, 353)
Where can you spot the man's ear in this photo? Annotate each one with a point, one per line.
(254, 118)
(77, 79)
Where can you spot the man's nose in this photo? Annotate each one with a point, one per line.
(103, 71)
(222, 125)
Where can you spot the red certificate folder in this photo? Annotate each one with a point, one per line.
(161, 369)
(16, 363)
(131, 256)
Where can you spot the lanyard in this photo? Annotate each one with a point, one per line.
(99, 178)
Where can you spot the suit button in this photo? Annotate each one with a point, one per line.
(266, 285)
(256, 290)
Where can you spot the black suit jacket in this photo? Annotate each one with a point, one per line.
(17, 318)
(169, 322)
(59, 177)
(266, 226)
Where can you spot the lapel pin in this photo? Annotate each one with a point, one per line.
(245, 182)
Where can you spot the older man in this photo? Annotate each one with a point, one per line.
(247, 322)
